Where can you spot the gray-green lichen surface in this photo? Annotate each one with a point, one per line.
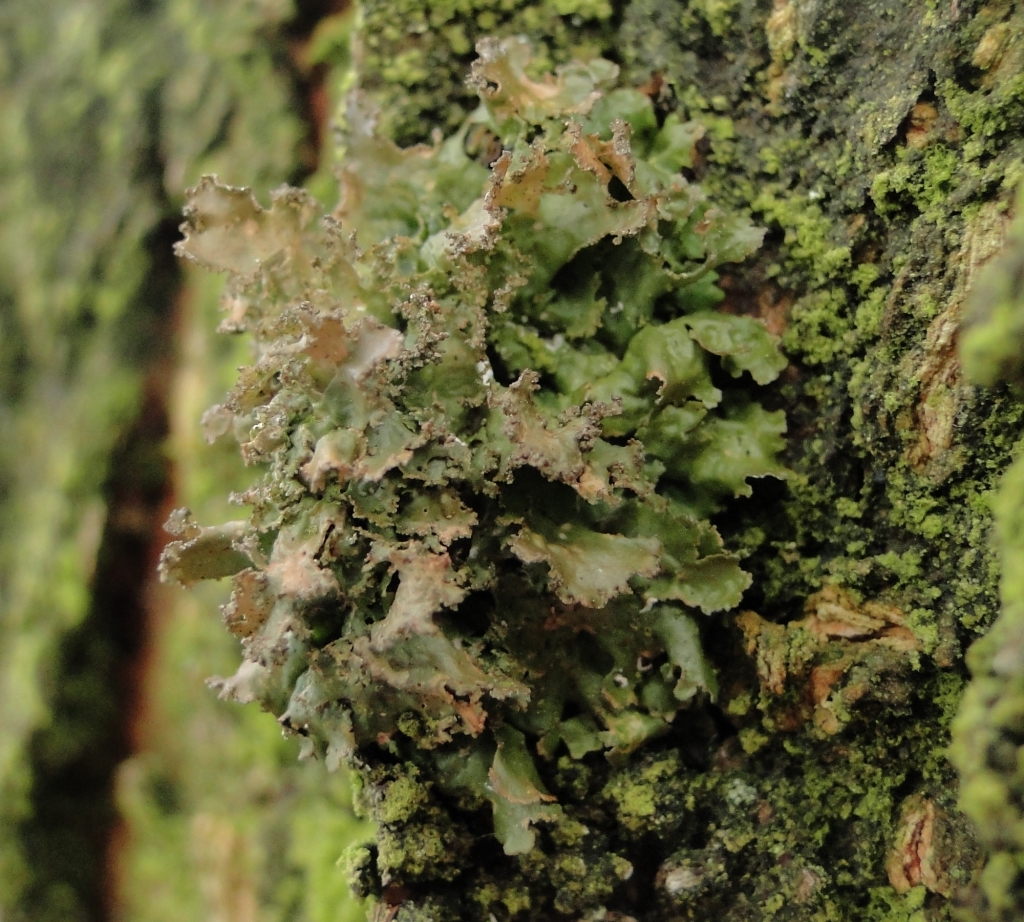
(494, 411)
(878, 144)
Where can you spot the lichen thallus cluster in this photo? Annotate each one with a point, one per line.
(485, 405)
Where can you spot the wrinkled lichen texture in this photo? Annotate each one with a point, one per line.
(222, 821)
(878, 143)
(108, 111)
(987, 732)
(493, 406)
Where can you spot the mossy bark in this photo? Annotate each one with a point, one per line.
(878, 142)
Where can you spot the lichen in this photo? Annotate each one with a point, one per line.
(840, 127)
(878, 161)
(494, 411)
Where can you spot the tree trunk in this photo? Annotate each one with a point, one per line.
(879, 144)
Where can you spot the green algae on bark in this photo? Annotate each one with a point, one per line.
(876, 143)
(494, 407)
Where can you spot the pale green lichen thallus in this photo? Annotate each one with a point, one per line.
(488, 413)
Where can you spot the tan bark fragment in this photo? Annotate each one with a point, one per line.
(938, 368)
(913, 860)
(919, 126)
(823, 680)
(833, 613)
(829, 656)
(766, 642)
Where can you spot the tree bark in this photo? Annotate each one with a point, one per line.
(879, 145)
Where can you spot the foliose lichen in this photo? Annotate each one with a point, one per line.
(492, 405)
